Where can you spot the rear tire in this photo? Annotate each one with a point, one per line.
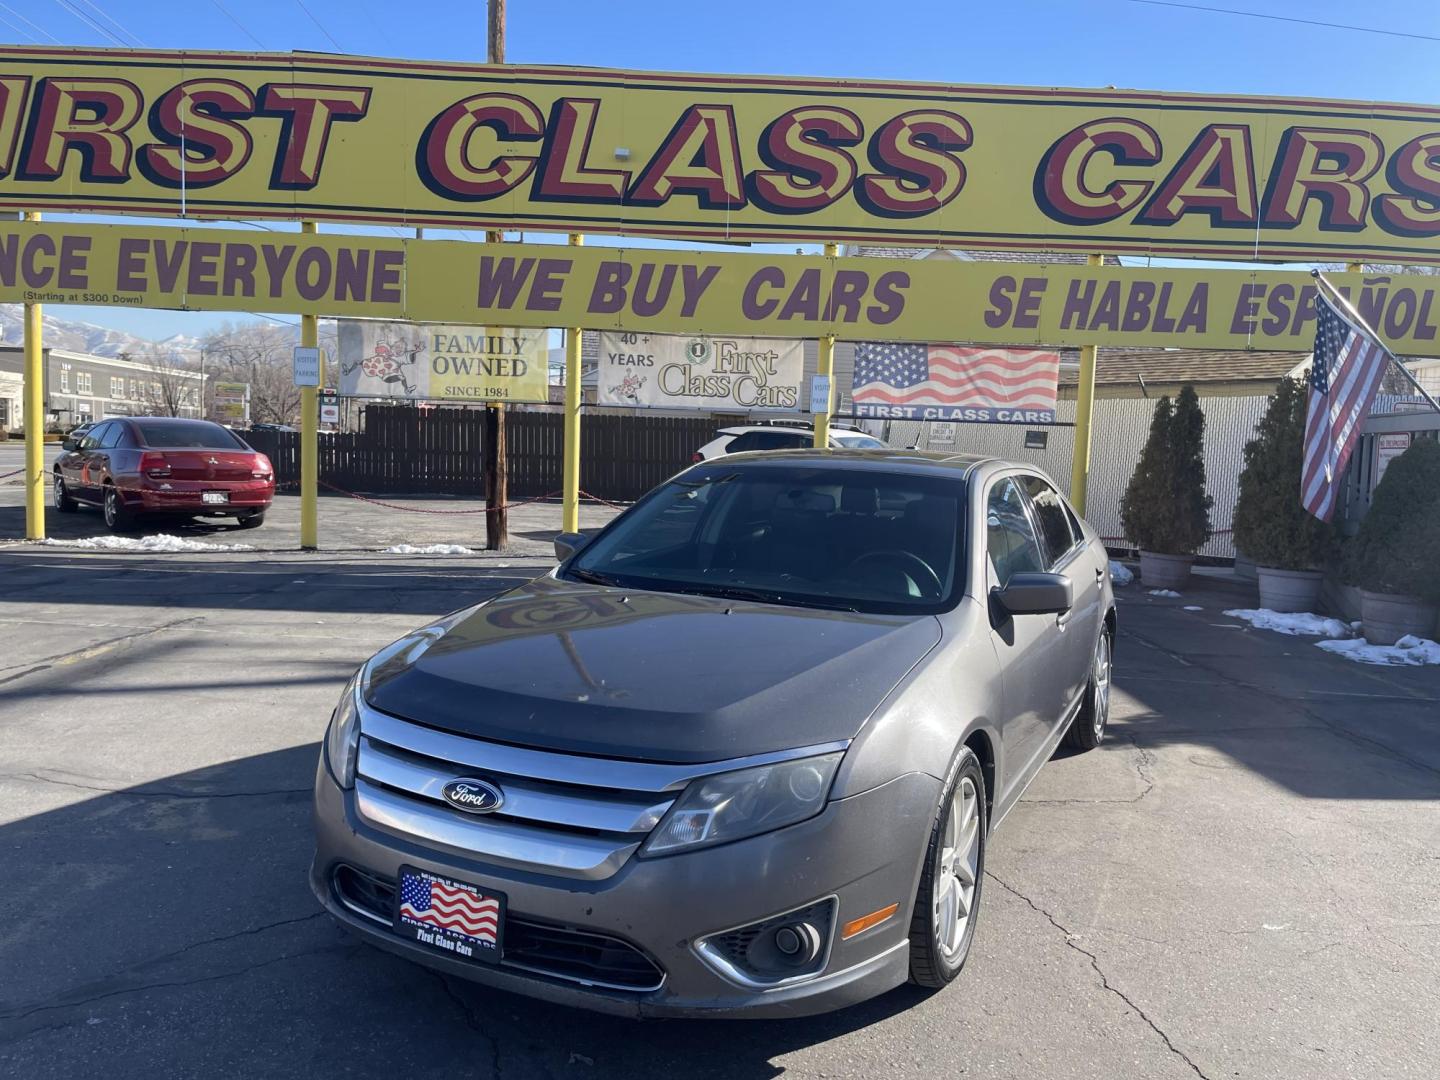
(63, 502)
(947, 905)
(1087, 730)
(118, 519)
(252, 521)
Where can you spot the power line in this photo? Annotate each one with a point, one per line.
(318, 23)
(1287, 19)
(113, 21)
(88, 21)
(17, 30)
(243, 28)
(39, 30)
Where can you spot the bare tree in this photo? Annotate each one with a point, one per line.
(168, 387)
(261, 354)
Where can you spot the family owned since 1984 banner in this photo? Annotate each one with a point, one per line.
(953, 382)
(672, 371)
(421, 361)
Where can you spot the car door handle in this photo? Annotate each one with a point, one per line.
(1099, 573)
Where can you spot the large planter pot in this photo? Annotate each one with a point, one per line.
(1387, 617)
(1289, 590)
(1245, 567)
(1165, 571)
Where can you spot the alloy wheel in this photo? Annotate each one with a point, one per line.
(958, 871)
(112, 507)
(1102, 684)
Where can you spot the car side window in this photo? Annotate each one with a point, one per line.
(768, 440)
(93, 437)
(1052, 517)
(1010, 538)
(112, 436)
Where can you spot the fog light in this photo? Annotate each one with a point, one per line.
(798, 942)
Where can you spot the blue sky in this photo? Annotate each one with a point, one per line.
(1122, 43)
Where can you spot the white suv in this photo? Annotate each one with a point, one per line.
(734, 440)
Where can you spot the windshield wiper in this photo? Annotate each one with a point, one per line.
(764, 596)
(592, 578)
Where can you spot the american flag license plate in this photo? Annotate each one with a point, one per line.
(450, 916)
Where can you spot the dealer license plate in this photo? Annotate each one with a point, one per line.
(449, 916)
(215, 496)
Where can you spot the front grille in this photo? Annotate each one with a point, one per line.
(532, 946)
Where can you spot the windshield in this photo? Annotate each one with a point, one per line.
(188, 434)
(859, 442)
(807, 536)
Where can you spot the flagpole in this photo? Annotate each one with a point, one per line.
(1360, 322)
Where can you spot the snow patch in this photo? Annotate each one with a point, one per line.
(160, 542)
(428, 549)
(1193, 607)
(1120, 574)
(1293, 623)
(1169, 594)
(1409, 650)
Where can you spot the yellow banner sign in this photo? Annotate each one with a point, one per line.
(717, 157)
(696, 293)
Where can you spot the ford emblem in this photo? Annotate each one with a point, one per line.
(473, 796)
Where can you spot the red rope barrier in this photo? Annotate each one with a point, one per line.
(478, 510)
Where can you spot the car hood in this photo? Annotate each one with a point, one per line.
(649, 676)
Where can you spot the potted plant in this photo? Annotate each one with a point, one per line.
(1286, 542)
(1165, 510)
(1395, 557)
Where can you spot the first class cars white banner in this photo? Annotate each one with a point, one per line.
(676, 371)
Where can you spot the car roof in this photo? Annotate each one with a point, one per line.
(886, 460)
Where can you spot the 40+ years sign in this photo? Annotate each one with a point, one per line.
(717, 157)
(696, 293)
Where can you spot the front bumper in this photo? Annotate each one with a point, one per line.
(865, 850)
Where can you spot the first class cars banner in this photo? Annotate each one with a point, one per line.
(668, 371)
(696, 292)
(717, 157)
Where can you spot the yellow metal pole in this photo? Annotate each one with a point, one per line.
(825, 369)
(1084, 410)
(570, 482)
(34, 419)
(309, 434)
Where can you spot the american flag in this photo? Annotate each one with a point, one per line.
(1345, 372)
(429, 901)
(893, 373)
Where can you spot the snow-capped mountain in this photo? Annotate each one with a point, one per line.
(90, 338)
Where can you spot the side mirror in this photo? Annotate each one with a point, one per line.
(1036, 594)
(566, 544)
(69, 444)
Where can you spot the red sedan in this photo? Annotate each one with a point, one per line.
(164, 465)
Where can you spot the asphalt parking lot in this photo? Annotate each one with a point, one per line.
(1242, 882)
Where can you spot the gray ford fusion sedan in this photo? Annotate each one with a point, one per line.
(739, 753)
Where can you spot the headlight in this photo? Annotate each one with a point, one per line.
(342, 741)
(731, 806)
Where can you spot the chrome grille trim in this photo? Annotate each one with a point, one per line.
(613, 773)
(592, 809)
(504, 843)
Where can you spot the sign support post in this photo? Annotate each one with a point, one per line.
(570, 472)
(824, 369)
(309, 437)
(34, 419)
(1084, 410)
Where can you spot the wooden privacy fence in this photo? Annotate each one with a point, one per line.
(408, 451)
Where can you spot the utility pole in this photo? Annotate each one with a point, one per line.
(495, 466)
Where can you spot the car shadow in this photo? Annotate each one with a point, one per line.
(168, 929)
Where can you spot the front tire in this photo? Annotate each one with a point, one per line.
(1087, 730)
(63, 502)
(117, 518)
(947, 905)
